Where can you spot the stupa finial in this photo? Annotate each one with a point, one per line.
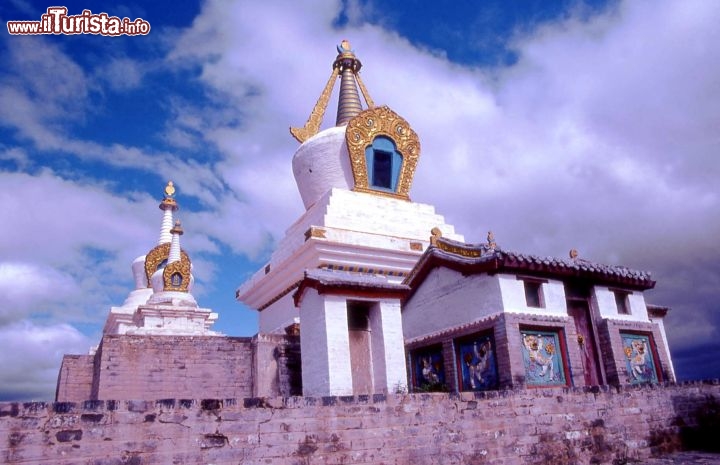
(168, 205)
(346, 66)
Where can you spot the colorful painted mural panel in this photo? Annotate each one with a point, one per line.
(478, 367)
(429, 370)
(543, 359)
(639, 358)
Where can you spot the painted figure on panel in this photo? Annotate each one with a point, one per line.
(640, 365)
(429, 370)
(543, 363)
(477, 357)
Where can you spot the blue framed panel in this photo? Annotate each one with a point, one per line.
(543, 357)
(639, 359)
(477, 363)
(428, 369)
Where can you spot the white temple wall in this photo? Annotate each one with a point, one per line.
(608, 308)
(513, 296)
(661, 326)
(278, 316)
(388, 347)
(325, 348)
(447, 299)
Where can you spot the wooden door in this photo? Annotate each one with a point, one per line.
(580, 312)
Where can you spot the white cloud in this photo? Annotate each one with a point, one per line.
(31, 357)
(122, 73)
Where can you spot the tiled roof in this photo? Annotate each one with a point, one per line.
(487, 258)
(327, 280)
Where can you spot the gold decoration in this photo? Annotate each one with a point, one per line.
(628, 352)
(314, 231)
(573, 254)
(156, 256)
(491, 240)
(382, 121)
(366, 94)
(169, 189)
(580, 339)
(435, 234)
(182, 268)
(312, 126)
(463, 251)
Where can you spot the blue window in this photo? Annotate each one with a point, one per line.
(383, 164)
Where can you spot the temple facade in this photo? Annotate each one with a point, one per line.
(369, 292)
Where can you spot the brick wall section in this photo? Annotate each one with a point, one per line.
(536, 426)
(75, 378)
(614, 357)
(161, 367)
(508, 344)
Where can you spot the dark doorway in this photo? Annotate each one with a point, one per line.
(360, 347)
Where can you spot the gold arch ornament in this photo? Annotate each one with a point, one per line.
(156, 256)
(360, 133)
(182, 268)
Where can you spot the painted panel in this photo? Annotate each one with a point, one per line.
(429, 370)
(478, 367)
(542, 357)
(639, 358)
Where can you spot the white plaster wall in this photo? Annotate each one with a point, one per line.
(513, 296)
(278, 316)
(388, 347)
(358, 224)
(324, 344)
(447, 298)
(338, 346)
(661, 325)
(605, 299)
(314, 345)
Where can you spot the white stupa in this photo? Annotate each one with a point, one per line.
(360, 232)
(162, 302)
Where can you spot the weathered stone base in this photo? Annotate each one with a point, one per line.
(596, 425)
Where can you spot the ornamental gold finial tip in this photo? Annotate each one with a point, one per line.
(344, 47)
(177, 229)
(169, 189)
(573, 254)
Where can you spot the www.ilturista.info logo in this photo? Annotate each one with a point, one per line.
(57, 21)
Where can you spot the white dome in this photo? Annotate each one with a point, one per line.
(138, 270)
(321, 163)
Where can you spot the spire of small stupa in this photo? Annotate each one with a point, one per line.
(349, 102)
(176, 232)
(347, 67)
(168, 206)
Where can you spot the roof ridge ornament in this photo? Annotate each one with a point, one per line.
(346, 66)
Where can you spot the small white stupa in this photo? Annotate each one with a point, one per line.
(162, 302)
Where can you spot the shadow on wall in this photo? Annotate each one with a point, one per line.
(699, 425)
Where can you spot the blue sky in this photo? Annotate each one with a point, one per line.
(558, 125)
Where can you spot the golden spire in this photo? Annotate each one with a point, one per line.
(347, 66)
(168, 202)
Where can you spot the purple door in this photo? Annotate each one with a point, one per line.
(580, 312)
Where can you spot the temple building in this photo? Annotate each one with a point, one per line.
(369, 292)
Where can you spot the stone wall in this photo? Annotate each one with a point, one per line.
(127, 367)
(75, 378)
(535, 426)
